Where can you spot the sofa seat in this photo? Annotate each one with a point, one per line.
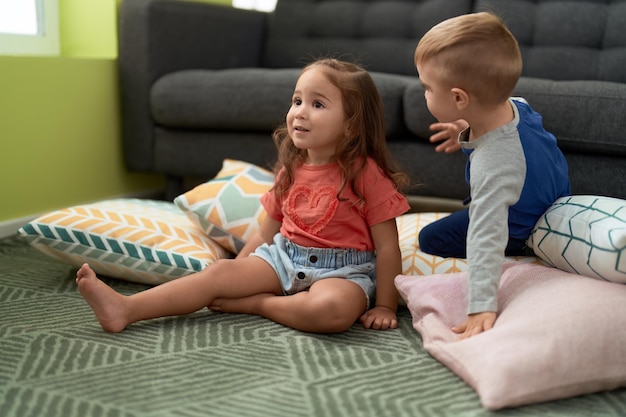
(201, 82)
(200, 99)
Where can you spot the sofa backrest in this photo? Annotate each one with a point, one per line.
(567, 40)
(379, 34)
(559, 39)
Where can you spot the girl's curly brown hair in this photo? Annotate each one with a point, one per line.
(366, 124)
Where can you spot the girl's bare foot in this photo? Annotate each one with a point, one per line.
(246, 305)
(107, 304)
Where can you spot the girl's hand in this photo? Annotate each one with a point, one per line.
(379, 318)
(448, 134)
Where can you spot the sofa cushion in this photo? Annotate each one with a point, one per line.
(252, 99)
(416, 114)
(236, 99)
(576, 113)
(587, 43)
(572, 110)
(379, 34)
(391, 88)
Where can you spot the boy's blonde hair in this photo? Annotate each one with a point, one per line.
(475, 52)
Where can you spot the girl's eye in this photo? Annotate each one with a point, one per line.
(318, 105)
(296, 101)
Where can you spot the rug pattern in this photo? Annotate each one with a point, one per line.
(56, 361)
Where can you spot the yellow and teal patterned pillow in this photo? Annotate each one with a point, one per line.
(228, 208)
(143, 241)
(584, 234)
(416, 262)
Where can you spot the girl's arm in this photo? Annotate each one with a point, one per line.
(388, 266)
(269, 227)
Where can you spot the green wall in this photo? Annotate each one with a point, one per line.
(59, 119)
(60, 127)
(60, 135)
(88, 28)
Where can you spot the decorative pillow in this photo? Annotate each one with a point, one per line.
(227, 208)
(557, 334)
(143, 241)
(416, 262)
(584, 234)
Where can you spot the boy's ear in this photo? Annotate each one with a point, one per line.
(461, 98)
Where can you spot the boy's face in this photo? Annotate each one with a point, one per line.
(439, 98)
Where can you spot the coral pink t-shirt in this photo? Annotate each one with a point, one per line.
(312, 215)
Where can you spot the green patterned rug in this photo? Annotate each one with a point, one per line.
(56, 361)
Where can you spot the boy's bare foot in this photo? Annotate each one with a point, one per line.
(246, 305)
(107, 304)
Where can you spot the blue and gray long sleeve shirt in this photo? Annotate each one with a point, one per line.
(515, 173)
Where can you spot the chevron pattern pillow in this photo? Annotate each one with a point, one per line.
(143, 241)
(228, 208)
(584, 234)
(416, 262)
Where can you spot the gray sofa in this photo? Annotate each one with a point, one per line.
(201, 82)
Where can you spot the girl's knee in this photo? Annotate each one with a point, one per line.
(344, 315)
(333, 314)
(219, 266)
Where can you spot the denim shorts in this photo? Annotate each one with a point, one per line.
(299, 267)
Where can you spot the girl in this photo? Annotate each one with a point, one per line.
(329, 244)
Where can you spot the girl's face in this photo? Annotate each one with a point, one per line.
(316, 120)
(439, 98)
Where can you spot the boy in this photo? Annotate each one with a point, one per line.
(469, 66)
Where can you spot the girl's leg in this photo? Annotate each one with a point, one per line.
(331, 305)
(446, 237)
(226, 278)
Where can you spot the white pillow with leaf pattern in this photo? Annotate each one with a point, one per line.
(584, 234)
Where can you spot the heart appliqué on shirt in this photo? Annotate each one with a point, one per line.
(312, 210)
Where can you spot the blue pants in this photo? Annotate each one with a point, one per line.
(447, 238)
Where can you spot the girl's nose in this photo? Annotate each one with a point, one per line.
(300, 112)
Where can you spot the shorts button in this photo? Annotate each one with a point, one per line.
(301, 275)
(313, 259)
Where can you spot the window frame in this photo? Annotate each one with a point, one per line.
(260, 5)
(46, 42)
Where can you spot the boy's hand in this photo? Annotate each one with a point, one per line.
(379, 318)
(475, 324)
(449, 134)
